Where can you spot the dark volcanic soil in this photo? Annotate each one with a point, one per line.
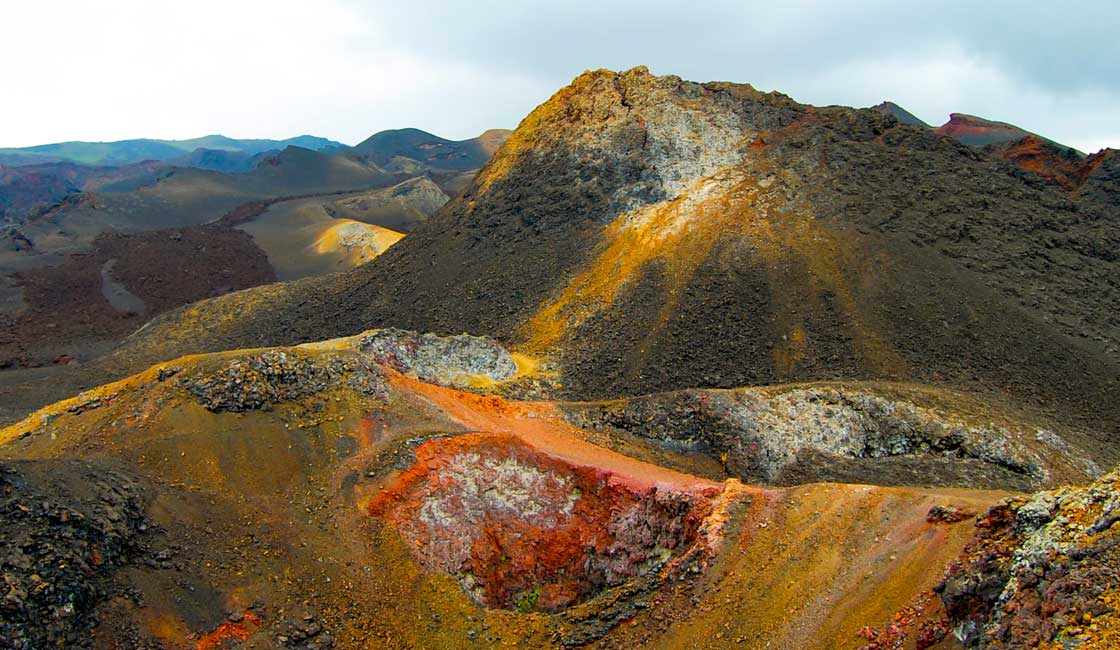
(68, 311)
(67, 526)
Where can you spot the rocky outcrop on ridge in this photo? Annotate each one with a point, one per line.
(848, 433)
(445, 360)
(67, 526)
(258, 381)
(1042, 572)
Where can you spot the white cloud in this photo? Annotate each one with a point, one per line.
(344, 69)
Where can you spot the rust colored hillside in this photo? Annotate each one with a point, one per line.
(1054, 163)
(321, 499)
(978, 131)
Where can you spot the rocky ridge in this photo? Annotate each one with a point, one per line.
(843, 433)
(1043, 572)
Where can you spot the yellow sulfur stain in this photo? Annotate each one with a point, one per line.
(678, 232)
(805, 261)
(787, 355)
(566, 107)
(358, 242)
(526, 365)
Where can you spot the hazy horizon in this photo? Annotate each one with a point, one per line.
(345, 69)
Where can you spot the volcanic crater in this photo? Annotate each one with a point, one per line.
(520, 528)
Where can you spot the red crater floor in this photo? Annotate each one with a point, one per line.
(521, 528)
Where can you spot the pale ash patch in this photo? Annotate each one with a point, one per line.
(117, 294)
(858, 425)
(686, 206)
(478, 485)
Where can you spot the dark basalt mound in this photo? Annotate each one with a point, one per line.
(647, 233)
(386, 147)
(66, 526)
(901, 114)
(259, 381)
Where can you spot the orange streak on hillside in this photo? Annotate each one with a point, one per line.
(680, 234)
(538, 424)
(1034, 154)
(230, 631)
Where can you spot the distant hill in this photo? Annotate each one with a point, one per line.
(493, 139)
(220, 160)
(169, 228)
(180, 196)
(406, 149)
(125, 152)
(24, 187)
(201, 175)
(900, 113)
(979, 131)
(36, 177)
(972, 130)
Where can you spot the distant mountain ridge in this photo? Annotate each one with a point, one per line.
(970, 129)
(158, 219)
(126, 152)
(388, 148)
(900, 113)
(44, 174)
(979, 131)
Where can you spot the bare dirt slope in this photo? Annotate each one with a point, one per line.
(328, 496)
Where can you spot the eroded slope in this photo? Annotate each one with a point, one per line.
(317, 497)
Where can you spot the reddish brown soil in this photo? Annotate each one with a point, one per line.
(526, 530)
(67, 312)
(68, 316)
(1051, 162)
(231, 632)
(978, 131)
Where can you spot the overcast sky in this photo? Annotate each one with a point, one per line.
(344, 69)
